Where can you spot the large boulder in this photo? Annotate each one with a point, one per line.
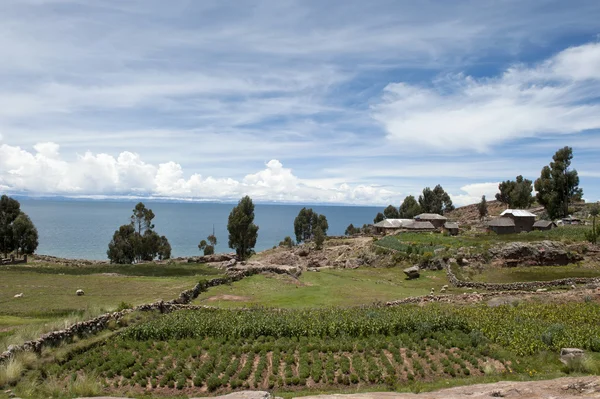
(545, 253)
(568, 354)
(412, 272)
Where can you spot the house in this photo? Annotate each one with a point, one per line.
(544, 225)
(436, 220)
(419, 226)
(502, 225)
(451, 227)
(390, 225)
(522, 219)
(571, 220)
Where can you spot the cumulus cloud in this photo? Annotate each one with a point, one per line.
(556, 96)
(472, 193)
(44, 171)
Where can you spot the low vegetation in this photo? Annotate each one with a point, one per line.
(224, 350)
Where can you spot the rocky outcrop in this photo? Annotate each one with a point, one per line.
(544, 253)
(412, 272)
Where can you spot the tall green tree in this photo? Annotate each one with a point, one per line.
(516, 194)
(482, 207)
(307, 222)
(208, 247)
(25, 235)
(378, 218)
(409, 208)
(319, 237)
(17, 231)
(137, 241)
(242, 230)
(390, 212)
(558, 185)
(435, 201)
(142, 218)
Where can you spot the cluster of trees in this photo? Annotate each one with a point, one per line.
(430, 201)
(309, 225)
(137, 241)
(557, 187)
(17, 231)
(516, 194)
(351, 230)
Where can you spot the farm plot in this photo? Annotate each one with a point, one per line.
(220, 350)
(213, 364)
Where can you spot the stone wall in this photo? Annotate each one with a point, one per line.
(99, 323)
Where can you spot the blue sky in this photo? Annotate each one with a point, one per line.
(350, 102)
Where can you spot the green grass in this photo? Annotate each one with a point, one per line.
(140, 270)
(530, 273)
(329, 287)
(431, 241)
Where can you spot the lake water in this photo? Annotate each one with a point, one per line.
(83, 229)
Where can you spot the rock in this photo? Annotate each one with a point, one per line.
(541, 290)
(80, 292)
(230, 263)
(567, 354)
(19, 295)
(412, 272)
(543, 253)
(303, 252)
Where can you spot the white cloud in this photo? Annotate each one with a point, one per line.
(473, 193)
(558, 96)
(46, 172)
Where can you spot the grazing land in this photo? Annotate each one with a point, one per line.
(328, 287)
(49, 300)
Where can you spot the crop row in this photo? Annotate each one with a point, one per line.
(212, 364)
(524, 329)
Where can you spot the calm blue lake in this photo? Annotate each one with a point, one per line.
(83, 229)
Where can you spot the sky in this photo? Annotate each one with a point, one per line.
(299, 101)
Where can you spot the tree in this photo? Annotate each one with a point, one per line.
(25, 235)
(142, 218)
(391, 212)
(208, 247)
(435, 201)
(121, 247)
(593, 235)
(287, 242)
(17, 231)
(319, 238)
(516, 194)
(409, 208)
(482, 208)
(351, 230)
(242, 231)
(137, 241)
(557, 185)
(378, 218)
(306, 223)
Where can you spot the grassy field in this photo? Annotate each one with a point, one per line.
(531, 273)
(49, 300)
(329, 287)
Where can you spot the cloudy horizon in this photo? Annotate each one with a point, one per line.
(295, 101)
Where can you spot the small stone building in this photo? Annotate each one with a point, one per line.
(544, 225)
(522, 219)
(451, 228)
(436, 220)
(387, 226)
(502, 225)
(420, 226)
